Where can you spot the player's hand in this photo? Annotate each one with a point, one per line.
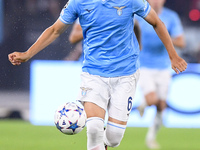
(178, 64)
(16, 58)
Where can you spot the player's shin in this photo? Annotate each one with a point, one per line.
(152, 132)
(95, 132)
(151, 135)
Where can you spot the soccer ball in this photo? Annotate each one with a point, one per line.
(70, 118)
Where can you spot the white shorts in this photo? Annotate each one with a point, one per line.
(113, 94)
(154, 80)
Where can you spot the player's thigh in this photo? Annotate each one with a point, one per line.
(93, 110)
(151, 98)
(94, 95)
(121, 100)
(163, 82)
(146, 81)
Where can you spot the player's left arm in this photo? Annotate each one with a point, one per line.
(177, 63)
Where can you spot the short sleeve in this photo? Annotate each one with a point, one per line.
(141, 8)
(69, 13)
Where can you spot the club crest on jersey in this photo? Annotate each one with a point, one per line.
(119, 10)
(84, 90)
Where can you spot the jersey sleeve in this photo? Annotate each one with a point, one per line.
(176, 27)
(141, 8)
(69, 13)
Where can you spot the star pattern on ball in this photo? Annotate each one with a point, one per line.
(59, 127)
(73, 126)
(63, 111)
(79, 110)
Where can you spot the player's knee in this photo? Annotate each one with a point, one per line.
(95, 129)
(151, 99)
(114, 134)
(161, 105)
(114, 139)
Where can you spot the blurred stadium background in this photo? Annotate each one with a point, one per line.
(22, 21)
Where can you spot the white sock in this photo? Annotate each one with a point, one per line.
(113, 134)
(153, 130)
(95, 132)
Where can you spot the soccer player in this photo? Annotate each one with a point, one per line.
(155, 72)
(111, 61)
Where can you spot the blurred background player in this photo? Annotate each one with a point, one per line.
(155, 65)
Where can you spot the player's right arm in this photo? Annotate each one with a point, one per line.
(45, 39)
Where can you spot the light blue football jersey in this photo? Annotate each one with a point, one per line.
(153, 54)
(110, 46)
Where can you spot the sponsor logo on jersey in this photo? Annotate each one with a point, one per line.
(119, 10)
(89, 10)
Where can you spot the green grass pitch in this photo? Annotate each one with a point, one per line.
(21, 135)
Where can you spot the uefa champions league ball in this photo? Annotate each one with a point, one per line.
(70, 118)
